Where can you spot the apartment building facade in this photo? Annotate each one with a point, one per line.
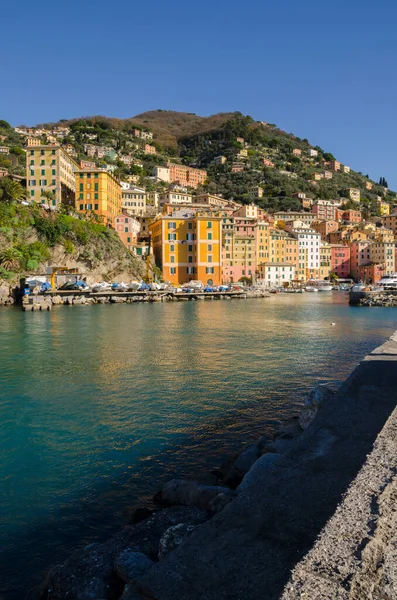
(50, 169)
(238, 248)
(98, 192)
(187, 246)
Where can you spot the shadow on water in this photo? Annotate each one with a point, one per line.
(87, 520)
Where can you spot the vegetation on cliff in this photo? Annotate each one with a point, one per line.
(32, 238)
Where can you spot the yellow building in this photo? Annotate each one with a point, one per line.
(262, 242)
(98, 192)
(187, 246)
(384, 209)
(325, 260)
(283, 248)
(49, 169)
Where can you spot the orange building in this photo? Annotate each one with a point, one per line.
(186, 176)
(98, 192)
(187, 245)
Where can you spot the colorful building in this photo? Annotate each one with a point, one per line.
(187, 246)
(325, 260)
(186, 175)
(324, 228)
(340, 260)
(359, 256)
(133, 199)
(50, 169)
(238, 248)
(98, 192)
(128, 229)
(352, 216)
(276, 274)
(370, 273)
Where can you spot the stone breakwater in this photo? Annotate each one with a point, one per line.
(309, 514)
(48, 300)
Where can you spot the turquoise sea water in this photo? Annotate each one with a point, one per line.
(100, 404)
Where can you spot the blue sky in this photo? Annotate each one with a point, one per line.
(321, 70)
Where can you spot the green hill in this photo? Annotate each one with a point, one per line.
(197, 141)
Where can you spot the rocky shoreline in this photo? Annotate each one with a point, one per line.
(111, 570)
(378, 300)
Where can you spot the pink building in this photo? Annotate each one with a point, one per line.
(359, 256)
(325, 227)
(238, 248)
(340, 260)
(325, 210)
(371, 273)
(128, 229)
(352, 216)
(148, 149)
(268, 163)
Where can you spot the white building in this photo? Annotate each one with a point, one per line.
(309, 249)
(133, 199)
(161, 173)
(312, 152)
(275, 274)
(174, 197)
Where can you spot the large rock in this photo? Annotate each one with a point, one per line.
(91, 573)
(173, 537)
(130, 565)
(189, 493)
(243, 462)
(320, 396)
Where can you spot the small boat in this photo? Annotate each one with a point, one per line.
(134, 286)
(311, 288)
(102, 286)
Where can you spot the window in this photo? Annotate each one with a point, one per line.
(32, 153)
(96, 187)
(42, 162)
(88, 206)
(53, 182)
(88, 175)
(53, 162)
(209, 270)
(190, 259)
(125, 229)
(88, 196)
(190, 225)
(81, 206)
(81, 175)
(54, 202)
(209, 224)
(209, 247)
(189, 270)
(32, 182)
(172, 236)
(172, 248)
(42, 152)
(190, 248)
(172, 270)
(32, 192)
(53, 152)
(209, 236)
(31, 171)
(172, 259)
(81, 197)
(209, 258)
(43, 171)
(129, 240)
(43, 182)
(53, 172)
(96, 175)
(96, 206)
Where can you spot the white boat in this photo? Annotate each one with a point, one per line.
(194, 285)
(102, 286)
(325, 287)
(388, 282)
(134, 286)
(311, 288)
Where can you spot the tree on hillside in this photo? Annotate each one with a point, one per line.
(12, 191)
(383, 182)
